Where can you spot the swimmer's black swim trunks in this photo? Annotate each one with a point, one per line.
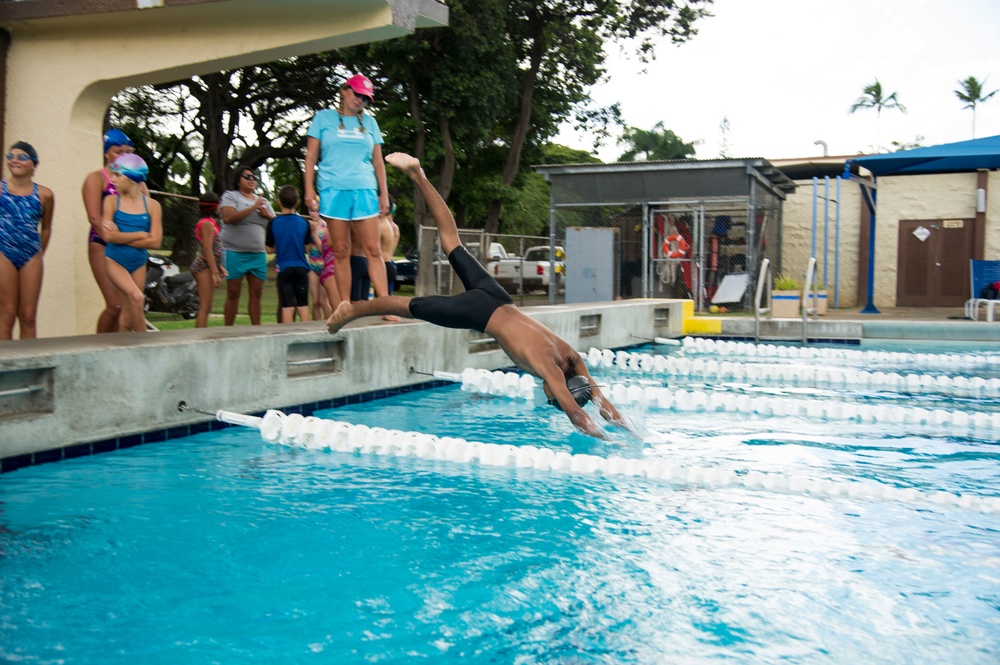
(471, 309)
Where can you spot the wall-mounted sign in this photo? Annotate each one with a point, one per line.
(922, 233)
(954, 223)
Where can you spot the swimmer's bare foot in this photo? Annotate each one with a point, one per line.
(403, 162)
(340, 317)
(391, 318)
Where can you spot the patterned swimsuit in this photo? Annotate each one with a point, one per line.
(200, 264)
(109, 190)
(20, 216)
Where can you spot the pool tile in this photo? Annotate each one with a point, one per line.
(13, 463)
(46, 456)
(104, 446)
(129, 441)
(79, 450)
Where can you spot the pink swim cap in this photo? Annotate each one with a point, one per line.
(361, 85)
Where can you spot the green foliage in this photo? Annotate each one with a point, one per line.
(655, 144)
(972, 94)
(873, 98)
(786, 283)
(476, 102)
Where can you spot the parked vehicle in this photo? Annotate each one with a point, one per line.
(533, 272)
(168, 289)
(406, 269)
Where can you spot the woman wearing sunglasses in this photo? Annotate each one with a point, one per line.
(344, 165)
(25, 225)
(244, 225)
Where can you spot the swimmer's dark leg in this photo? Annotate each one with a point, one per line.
(386, 305)
(447, 229)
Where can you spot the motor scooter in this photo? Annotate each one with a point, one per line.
(168, 289)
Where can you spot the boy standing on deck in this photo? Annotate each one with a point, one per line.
(288, 237)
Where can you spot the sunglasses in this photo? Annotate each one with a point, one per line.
(249, 176)
(365, 98)
(11, 157)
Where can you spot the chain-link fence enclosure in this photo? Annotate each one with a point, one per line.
(684, 229)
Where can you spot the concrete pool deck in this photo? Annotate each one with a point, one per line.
(64, 397)
(947, 324)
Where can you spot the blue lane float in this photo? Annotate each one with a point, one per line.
(320, 434)
(810, 375)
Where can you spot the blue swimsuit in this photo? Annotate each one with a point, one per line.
(130, 258)
(20, 216)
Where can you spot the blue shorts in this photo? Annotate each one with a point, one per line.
(351, 205)
(242, 263)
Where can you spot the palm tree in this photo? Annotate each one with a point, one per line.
(972, 93)
(873, 99)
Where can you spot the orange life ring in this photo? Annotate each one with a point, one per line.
(675, 246)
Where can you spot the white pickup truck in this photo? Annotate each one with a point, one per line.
(532, 272)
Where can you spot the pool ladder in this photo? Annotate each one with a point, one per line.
(764, 281)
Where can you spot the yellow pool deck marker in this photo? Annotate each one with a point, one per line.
(699, 325)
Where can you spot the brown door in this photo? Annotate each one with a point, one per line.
(933, 268)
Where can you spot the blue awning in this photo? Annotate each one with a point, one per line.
(960, 157)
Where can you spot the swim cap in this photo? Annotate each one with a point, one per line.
(579, 388)
(115, 137)
(131, 166)
(361, 85)
(27, 149)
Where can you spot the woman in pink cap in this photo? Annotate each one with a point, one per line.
(345, 146)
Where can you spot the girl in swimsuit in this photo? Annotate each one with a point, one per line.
(208, 267)
(132, 225)
(25, 225)
(96, 188)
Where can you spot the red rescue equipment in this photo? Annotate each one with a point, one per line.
(675, 246)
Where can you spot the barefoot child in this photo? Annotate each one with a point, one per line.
(132, 225)
(208, 268)
(288, 237)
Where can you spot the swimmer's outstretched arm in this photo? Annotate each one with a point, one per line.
(607, 409)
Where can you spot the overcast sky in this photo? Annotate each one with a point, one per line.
(785, 73)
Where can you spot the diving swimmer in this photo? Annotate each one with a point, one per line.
(486, 307)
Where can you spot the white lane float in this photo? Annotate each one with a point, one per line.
(974, 424)
(810, 375)
(313, 433)
(722, 347)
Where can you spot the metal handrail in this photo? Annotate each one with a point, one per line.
(763, 282)
(806, 309)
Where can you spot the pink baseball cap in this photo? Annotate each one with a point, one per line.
(361, 85)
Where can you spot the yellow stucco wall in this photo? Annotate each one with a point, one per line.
(62, 73)
(942, 196)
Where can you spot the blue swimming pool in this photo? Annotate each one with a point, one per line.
(222, 548)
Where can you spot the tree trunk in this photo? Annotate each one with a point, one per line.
(419, 150)
(520, 133)
(448, 164)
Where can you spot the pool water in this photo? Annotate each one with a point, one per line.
(221, 548)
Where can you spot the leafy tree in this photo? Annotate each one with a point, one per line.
(199, 129)
(655, 144)
(873, 98)
(972, 94)
(908, 145)
(560, 55)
